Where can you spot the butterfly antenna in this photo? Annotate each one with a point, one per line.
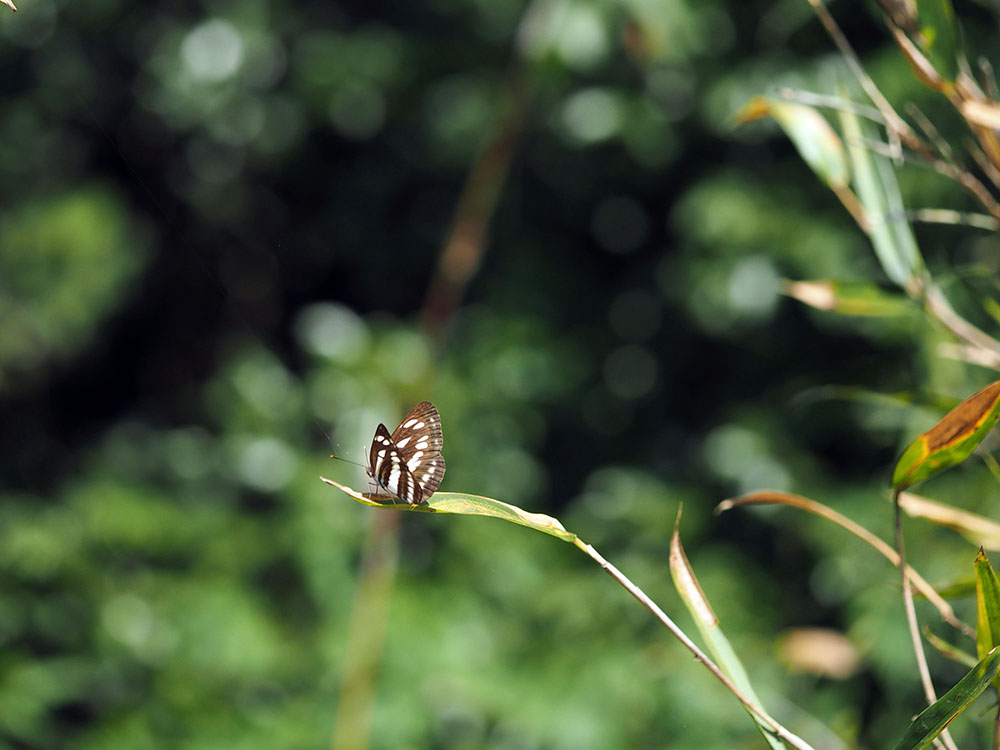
(348, 461)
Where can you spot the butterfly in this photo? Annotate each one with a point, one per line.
(408, 463)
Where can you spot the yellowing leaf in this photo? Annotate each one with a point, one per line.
(847, 299)
(951, 440)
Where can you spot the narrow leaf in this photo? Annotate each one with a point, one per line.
(708, 624)
(933, 719)
(951, 440)
(939, 36)
(848, 299)
(468, 505)
(949, 651)
(813, 137)
(979, 530)
(876, 185)
(987, 605)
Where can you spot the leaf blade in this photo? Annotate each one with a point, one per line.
(697, 603)
(951, 440)
(930, 722)
(461, 503)
(987, 605)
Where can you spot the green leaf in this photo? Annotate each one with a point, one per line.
(877, 188)
(987, 605)
(939, 36)
(933, 719)
(948, 650)
(816, 141)
(708, 623)
(951, 440)
(468, 505)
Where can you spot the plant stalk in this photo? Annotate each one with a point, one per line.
(911, 620)
(780, 731)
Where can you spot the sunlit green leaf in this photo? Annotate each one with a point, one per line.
(708, 623)
(817, 143)
(468, 505)
(951, 440)
(987, 605)
(875, 182)
(933, 719)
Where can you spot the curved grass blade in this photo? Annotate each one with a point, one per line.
(776, 497)
(979, 530)
(947, 650)
(469, 505)
(951, 440)
(707, 621)
(932, 720)
(866, 300)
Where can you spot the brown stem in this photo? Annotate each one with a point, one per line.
(938, 305)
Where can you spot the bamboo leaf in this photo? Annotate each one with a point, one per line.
(848, 299)
(932, 720)
(987, 605)
(876, 185)
(939, 37)
(705, 618)
(816, 141)
(951, 440)
(468, 505)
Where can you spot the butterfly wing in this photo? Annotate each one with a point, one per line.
(419, 441)
(387, 466)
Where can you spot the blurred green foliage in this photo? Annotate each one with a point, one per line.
(218, 229)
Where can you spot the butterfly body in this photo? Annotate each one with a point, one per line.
(408, 463)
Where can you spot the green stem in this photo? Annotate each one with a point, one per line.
(699, 655)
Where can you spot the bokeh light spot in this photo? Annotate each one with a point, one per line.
(213, 51)
(333, 331)
(592, 115)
